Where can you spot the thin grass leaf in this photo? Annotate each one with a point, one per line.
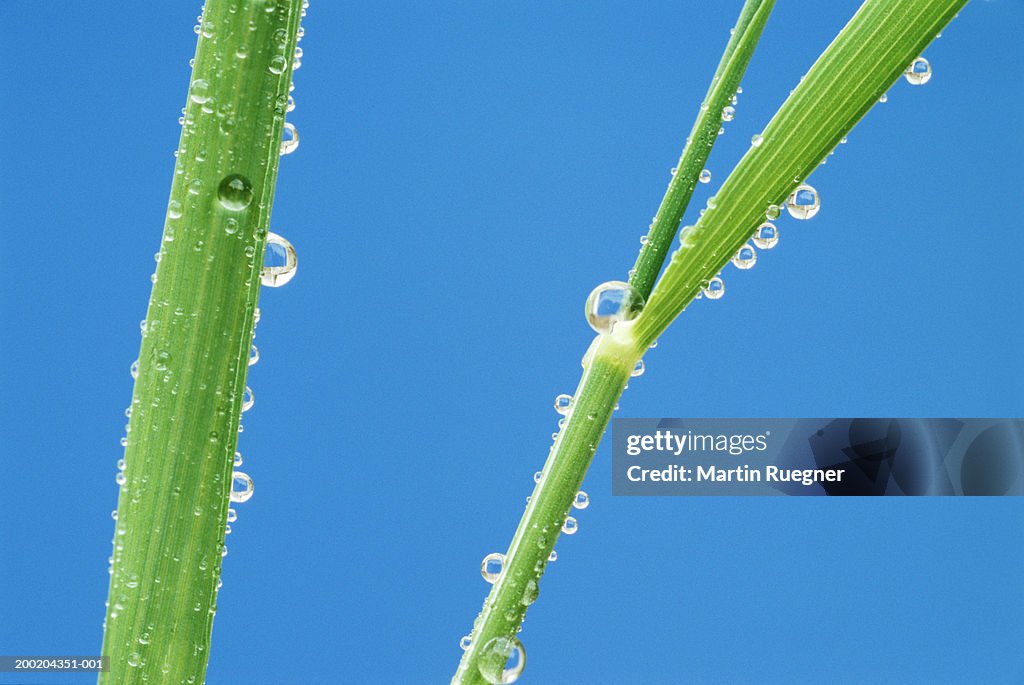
(188, 397)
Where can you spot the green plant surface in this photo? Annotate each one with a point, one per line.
(863, 61)
(188, 396)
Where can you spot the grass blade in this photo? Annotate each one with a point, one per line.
(867, 56)
(186, 406)
(702, 138)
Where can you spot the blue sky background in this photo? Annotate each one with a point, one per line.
(467, 174)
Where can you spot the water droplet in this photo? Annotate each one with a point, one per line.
(530, 592)
(290, 139)
(279, 262)
(120, 478)
(638, 369)
(756, 140)
(611, 303)
(745, 257)
(581, 500)
(804, 203)
(278, 63)
(134, 659)
(884, 98)
(714, 289)
(728, 112)
(232, 515)
(231, 226)
(491, 567)
(174, 209)
(772, 212)
(254, 355)
(161, 359)
(502, 660)
(570, 526)
(919, 72)
(113, 514)
(563, 403)
(553, 556)
(705, 176)
(195, 186)
(712, 203)
(537, 476)
(200, 91)
(241, 487)
(766, 236)
(248, 399)
(235, 192)
(237, 461)
(465, 642)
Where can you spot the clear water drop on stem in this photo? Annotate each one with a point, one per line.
(804, 203)
(234, 192)
(728, 113)
(766, 236)
(611, 303)
(537, 476)
(254, 355)
(745, 257)
(563, 403)
(714, 289)
(919, 72)
(581, 500)
(705, 176)
(570, 526)
(772, 212)
(248, 399)
(638, 369)
(465, 642)
(502, 660)
(290, 139)
(280, 262)
(492, 566)
(553, 556)
(756, 140)
(241, 487)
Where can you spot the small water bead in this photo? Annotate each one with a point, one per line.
(638, 369)
(174, 209)
(465, 642)
(121, 464)
(254, 355)
(124, 441)
(492, 566)
(772, 212)
(884, 98)
(804, 203)
(745, 257)
(237, 461)
(280, 262)
(195, 186)
(120, 478)
(714, 289)
(756, 140)
(610, 303)
(537, 476)
(705, 176)
(728, 113)
(530, 593)
(502, 660)
(553, 556)
(232, 515)
(712, 202)
(919, 72)
(290, 139)
(241, 487)
(113, 514)
(766, 236)
(278, 64)
(200, 91)
(570, 526)
(248, 399)
(235, 192)
(563, 403)
(581, 500)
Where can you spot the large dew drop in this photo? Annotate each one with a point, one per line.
(745, 257)
(610, 303)
(491, 567)
(804, 203)
(502, 660)
(241, 487)
(919, 72)
(714, 289)
(279, 262)
(563, 403)
(766, 236)
(234, 192)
